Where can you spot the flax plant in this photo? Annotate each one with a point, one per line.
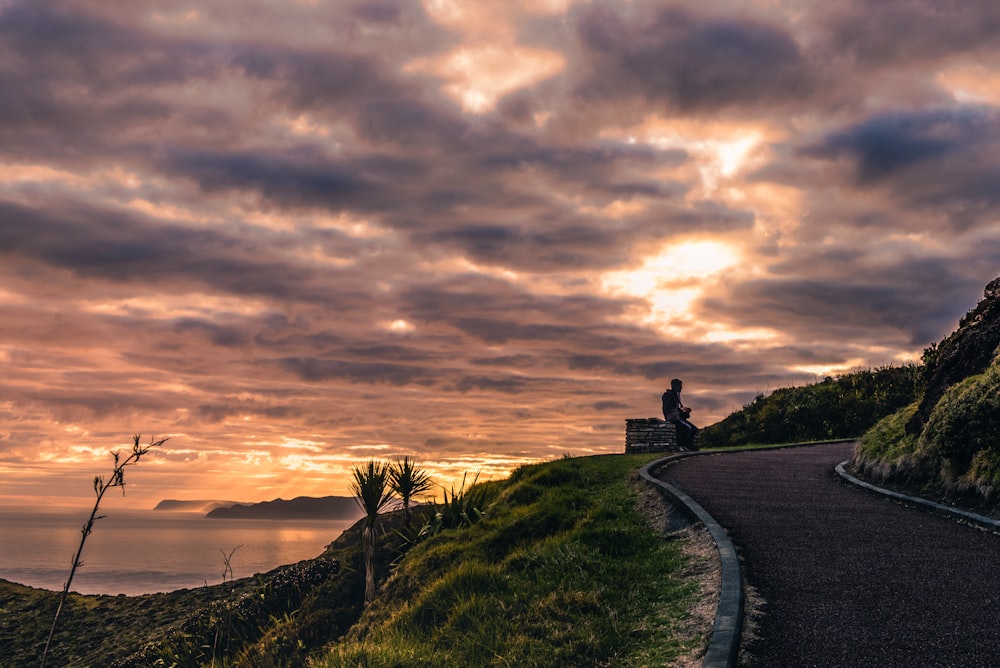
(372, 491)
(101, 486)
(464, 507)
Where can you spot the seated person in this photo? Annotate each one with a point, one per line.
(676, 412)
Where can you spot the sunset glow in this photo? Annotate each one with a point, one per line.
(294, 236)
(672, 280)
(478, 76)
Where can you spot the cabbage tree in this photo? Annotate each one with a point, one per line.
(372, 491)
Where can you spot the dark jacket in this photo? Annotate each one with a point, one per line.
(672, 405)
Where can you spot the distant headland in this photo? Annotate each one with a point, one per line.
(299, 508)
(193, 506)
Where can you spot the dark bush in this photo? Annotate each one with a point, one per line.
(842, 407)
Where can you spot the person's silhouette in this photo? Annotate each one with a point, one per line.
(676, 412)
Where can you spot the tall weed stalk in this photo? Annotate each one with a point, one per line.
(227, 576)
(101, 486)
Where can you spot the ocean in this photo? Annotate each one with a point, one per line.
(136, 552)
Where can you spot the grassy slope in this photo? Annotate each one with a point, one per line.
(956, 457)
(91, 628)
(564, 570)
(947, 445)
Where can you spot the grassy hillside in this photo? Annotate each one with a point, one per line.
(957, 453)
(946, 443)
(563, 569)
(841, 407)
(181, 628)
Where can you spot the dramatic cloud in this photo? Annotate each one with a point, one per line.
(688, 62)
(292, 236)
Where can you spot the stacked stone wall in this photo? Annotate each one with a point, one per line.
(650, 435)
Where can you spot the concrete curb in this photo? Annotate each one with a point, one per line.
(968, 516)
(724, 645)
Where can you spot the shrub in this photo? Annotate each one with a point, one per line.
(983, 476)
(841, 407)
(965, 420)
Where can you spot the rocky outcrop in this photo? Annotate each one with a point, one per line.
(966, 352)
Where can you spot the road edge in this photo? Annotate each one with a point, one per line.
(724, 644)
(968, 516)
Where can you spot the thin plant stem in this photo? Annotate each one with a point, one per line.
(101, 486)
(227, 575)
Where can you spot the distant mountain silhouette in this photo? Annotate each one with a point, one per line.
(300, 508)
(192, 505)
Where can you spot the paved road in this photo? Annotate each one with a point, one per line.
(848, 578)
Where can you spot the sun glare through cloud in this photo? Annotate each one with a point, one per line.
(976, 84)
(491, 62)
(673, 279)
(717, 160)
(478, 76)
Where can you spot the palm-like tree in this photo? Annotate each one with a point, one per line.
(408, 481)
(373, 492)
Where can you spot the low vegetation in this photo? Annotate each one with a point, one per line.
(554, 566)
(562, 569)
(946, 444)
(93, 630)
(957, 453)
(841, 407)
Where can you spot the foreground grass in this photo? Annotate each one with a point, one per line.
(563, 570)
(94, 630)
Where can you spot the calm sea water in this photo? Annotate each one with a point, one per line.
(140, 552)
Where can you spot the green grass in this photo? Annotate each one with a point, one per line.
(563, 569)
(955, 458)
(93, 629)
(966, 419)
(888, 439)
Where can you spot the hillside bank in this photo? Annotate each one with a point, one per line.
(565, 566)
(946, 444)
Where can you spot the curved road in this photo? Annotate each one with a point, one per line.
(848, 578)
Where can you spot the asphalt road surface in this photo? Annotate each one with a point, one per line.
(848, 578)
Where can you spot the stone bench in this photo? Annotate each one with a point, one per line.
(650, 435)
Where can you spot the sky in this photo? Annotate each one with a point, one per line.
(292, 236)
